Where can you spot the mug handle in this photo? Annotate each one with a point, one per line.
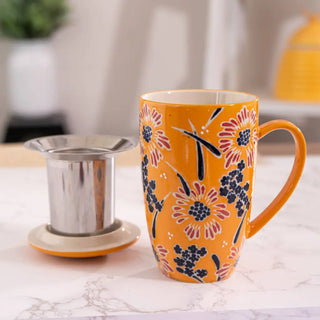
(295, 174)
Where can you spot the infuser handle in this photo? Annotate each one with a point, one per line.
(293, 179)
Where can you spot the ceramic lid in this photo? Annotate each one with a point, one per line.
(309, 33)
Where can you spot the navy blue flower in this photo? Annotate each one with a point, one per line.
(159, 205)
(244, 137)
(149, 190)
(189, 272)
(144, 184)
(186, 261)
(177, 249)
(190, 264)
(231, 197)
(238, 190)
(179, 261)
(145, 160)
(147, 133)
(152, 184)
(233, 185)
(239, 204)
(223, 191)
(192, 248)
(241, 165)
(239, 177)
(144, 170)
(233, 173)
(186, 254)
(202, 251)
(194, 257)
(225, 180)
(201, 273)
(232, 189)
(242, 195)
(240, 212)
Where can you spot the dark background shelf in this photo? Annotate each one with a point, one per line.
(20, 129)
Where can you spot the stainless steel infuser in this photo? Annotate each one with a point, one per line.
(81, 181)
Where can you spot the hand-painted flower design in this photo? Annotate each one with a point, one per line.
(187, 259)
(152, 138)
(160, 253)
(222, 270)
(153, 204)
(234, 255)
(239, 137)
(235, 190)
(234, 252)
(198, 211)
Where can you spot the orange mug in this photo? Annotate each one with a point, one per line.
(198, 150)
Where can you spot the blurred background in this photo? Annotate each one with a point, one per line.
(85, 72)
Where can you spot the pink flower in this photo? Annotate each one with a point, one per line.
(234, 253)
(239, 138)
(152, 138)
(161, 253)
(198, 212)
(224, 271)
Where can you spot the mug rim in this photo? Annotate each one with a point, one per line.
(144, 97)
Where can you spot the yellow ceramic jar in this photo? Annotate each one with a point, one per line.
(298, 76)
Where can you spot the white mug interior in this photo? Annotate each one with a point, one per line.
(199, 97)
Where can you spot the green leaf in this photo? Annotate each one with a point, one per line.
(31, 18)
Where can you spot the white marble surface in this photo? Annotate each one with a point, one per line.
(311, 313)
(279, 267)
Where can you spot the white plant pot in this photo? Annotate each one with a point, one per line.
(32, 78)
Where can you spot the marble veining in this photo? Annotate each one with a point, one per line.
(273, 314)
(279, 268)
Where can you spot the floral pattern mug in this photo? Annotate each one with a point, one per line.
(198, 150)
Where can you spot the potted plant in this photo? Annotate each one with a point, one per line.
(31, 65)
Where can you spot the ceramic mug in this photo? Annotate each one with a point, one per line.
(198, 151)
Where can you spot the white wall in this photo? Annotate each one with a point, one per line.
(112, 51)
